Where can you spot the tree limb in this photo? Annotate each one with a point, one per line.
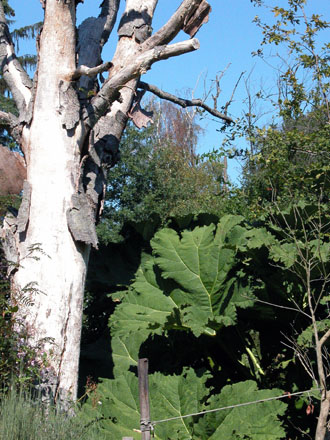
(15, 76)
(170, 29)
(183, 102)
(109, 10)
(11, 122)
(89, 71)
(140, 65)
(324, 338)
(11, 119)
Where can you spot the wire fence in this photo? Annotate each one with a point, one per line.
(147, 426)
(238, 405)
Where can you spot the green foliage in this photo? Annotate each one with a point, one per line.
(115, 408)
(27, 33)
(306, 337)
(9, 11)
(158, 178)
(301, 34)
(289, 158)
(302, 243)
(190, 284)
(253, 422)
(17, 357)
(289, 164)
(200, 263)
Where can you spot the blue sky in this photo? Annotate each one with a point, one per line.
(228, 38)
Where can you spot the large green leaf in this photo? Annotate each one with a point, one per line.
(200, 263)
(258, 421)
(125, 350)
(189, 285)
(143, 312)
(114, 408)
(285, 253)
(177, 396)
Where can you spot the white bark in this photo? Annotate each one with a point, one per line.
(58, 269)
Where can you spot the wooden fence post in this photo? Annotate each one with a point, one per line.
(144, 398)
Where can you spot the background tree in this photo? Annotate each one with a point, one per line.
(288, 157)
(160, 174)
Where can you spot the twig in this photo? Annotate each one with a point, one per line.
(233, 93)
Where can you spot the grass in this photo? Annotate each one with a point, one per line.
(24, 418)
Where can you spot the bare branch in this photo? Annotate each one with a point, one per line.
(11, 122)
(15, 76)
(324, 338)
(183, 102)
(109, 10)
(9, 118)
(232, 95)
(217, 86)
(301, 355)
(297, 309)
(166, 33)
(89, 71)
(140, 65)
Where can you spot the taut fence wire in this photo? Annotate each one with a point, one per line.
(268, 399)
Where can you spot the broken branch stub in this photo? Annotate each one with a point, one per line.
(139, 115)
(199, 17)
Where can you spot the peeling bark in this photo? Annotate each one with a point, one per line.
(135, 24)
(11, 123)
(9, 244)
(197, 19)
(12, 172)
(93, 33)
(69, 106)
(174, 25)
(140, 116)
(24, 209)
(81, 220)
